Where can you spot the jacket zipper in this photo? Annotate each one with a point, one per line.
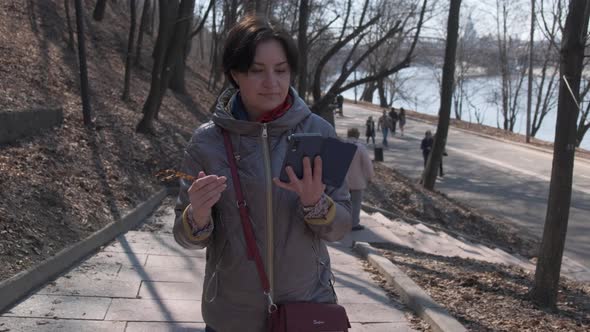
(269, 212)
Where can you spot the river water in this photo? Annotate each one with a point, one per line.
(422, 94)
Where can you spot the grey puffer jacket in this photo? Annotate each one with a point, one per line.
(297, 260)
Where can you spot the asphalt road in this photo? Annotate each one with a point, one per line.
(494, 176)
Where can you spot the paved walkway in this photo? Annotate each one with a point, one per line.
(496, 177)
(144, 281)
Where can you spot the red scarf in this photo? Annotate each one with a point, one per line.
(277, 112)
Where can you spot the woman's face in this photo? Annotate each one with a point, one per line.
(266, 83)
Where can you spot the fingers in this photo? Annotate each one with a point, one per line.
(317, 169)
(208, 204)
(291, 174)
(307, 169)
(281, 184)
(206, 191)
(212, 193)
(206, 182)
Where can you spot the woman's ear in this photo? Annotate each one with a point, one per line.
(234, 76)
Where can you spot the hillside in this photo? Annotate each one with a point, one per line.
(63, 184)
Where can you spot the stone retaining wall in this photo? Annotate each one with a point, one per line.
(18, 124)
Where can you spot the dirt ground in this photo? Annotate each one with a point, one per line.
(491, 297)
(394, 192)
(63, 184)
(482, 296)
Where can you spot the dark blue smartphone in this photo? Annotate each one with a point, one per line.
(336, 156)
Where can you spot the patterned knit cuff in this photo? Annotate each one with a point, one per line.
(196, 233)
(319, 210)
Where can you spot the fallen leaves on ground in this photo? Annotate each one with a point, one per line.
(491, 297)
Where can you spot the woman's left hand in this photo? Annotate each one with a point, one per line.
(311, 188)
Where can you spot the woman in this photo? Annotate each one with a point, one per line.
(291, 220)
(370, 129)
(402, 120)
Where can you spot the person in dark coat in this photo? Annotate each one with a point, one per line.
(340, 103)
(370, 129)
(394, 117)
(402, 120)
(384, 124)
(426, 147)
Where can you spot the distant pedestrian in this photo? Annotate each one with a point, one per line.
(359, 175)
(370, 129)
(384, 124)
(394, 117)
(340, 103)
(402, 120)
(426, 147)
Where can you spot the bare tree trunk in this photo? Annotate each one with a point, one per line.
(440, 139)
(503, 52)
(548, 269)
(86, 110)
(582, 130)
(530, 87)
(177, 81)
(152, 19)
(382, 94)
(70, 29)
(125, 95)
(213, 56)
(168, 14)
(261, 7)
(368, 92)
(99, 10)
(142, 27)
(302, 40)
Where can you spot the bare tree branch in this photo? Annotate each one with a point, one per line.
(322, 30)
(332, 51)
(202, 23)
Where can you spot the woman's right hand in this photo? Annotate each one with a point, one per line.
(203, 194)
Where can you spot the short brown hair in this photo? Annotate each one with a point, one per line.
(353, 132)
(244, 37)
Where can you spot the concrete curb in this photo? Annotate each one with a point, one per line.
(411, 294)
(25, 282)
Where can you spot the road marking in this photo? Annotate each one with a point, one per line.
(508, 166)
(513, 168)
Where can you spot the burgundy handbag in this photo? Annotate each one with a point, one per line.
(285, 317)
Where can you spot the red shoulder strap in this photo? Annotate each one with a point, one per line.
(252, 248)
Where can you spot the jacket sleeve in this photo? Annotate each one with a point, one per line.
(338, 221)
(181, 231)
(368, 170)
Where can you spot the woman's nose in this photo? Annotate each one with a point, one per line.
(269, 79)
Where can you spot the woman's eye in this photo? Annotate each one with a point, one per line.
(256, 70)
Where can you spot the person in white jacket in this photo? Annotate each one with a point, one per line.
(359, 175)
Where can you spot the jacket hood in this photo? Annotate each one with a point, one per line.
(223, 116)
